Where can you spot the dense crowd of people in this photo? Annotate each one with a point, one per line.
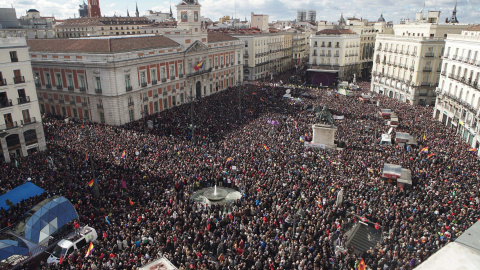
(144, 210)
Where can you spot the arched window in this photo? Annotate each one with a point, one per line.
(30, 136)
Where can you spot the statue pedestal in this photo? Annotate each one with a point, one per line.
(323, 136)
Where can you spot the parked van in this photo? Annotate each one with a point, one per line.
(67, 246)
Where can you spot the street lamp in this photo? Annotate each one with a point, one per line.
(84, 134)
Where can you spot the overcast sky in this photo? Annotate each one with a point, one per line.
(468, 11)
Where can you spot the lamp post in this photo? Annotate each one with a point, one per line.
(84, 134)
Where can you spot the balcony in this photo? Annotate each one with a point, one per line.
(9, 126)
(84, 104)
(164, 79)
(128, 88)
(99, 106)
(83, 89)
(154, 82)
(48, 86)
(425, 84)
(22, 100)
(196, 73)
(59, 87)
(50, 99)
(181, 74)
(61, 101)
(3, 82)
(143, 84)
(145, 98)
(98, 90)
(172, 78)
(70, 88)
(130, 103)
(14, 59)
(443, 73)
(40, 98)
(72, 102)
(6, 103)
(19, 79)
(28, 121)
(454, 57)
(429, 54)
(427, 69)
(155, 95)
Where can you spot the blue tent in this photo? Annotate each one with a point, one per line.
(20, 193)
(10, 247)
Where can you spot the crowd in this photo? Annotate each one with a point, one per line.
(144, 210)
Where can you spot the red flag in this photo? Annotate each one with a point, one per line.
(131, 202)
(377, 226)
(61, 259)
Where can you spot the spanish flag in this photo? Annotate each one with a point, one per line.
(266, 148)
(361, 265)
(199, 65)
(123, 154)
(90, 250)
(90, 184)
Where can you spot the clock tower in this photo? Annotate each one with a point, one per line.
(189, 19)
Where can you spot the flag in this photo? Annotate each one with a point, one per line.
(90, 184)
(254, 93)
(229, 159)
(131, 202)
(361, 265)
(377, 226)
(472, 150)
(424, 150)
(430, 155)
(86, 157)
(364, 219)
(199, 65)
(301, 139)
(424, 137)
(123, 154)
(296, 125)
(262, 99)
(61, 258)
(90, 250)
(16, 163)
(266, 148)
(124, 184)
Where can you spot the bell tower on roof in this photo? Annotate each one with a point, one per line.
(94, 8)
(189, 19)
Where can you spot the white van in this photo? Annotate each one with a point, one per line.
(386, 139)
(67, 246)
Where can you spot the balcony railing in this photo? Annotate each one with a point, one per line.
(22, 100)
(130, 103)
(172, 78)
(70, 88)
(181, 75)
(59, 87)
(28, 121)
(164, 79)
(3, 82)
(199, 72)
(98, 90)
(128, 88)
(72, 102)
(19, 79)
(145, 98)
(6, 103)
(154, 82)
(429, 54)
(143, 84)
(155, 95)
(427, 69)
(61, 101)
(84, 104)
(48, 86)
(9, 125)
(83, 89)
(99, 106)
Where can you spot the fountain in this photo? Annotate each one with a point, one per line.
(216, 195)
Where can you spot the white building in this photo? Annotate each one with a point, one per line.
(115, 80)
(407, 64)
(21, 130)
(265, 55)
(336, 49)
(259, 21)
(458, 94)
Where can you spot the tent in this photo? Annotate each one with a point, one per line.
(20, 193)
(10, 249)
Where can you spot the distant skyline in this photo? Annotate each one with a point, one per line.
(276, 9)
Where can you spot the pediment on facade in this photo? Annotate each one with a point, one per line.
(197, 46)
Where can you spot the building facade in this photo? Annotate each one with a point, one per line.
(101, 26)
(408, 63)
(458, 93)
(259, 21)
(265, 55)
(300, 46)
(116, 80)
(336, 49)
(21, 130)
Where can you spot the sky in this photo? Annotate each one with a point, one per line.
(468, 11)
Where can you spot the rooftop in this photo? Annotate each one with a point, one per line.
(218, 37)
(101, 45)
(336, 32)
(473, 28)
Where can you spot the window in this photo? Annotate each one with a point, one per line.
(155, 106)
(85, 114)
(26, 116)
(180, 69)
(127, 81)
(70, 81)
(59, 80)
(165, 103)
(37, 79)
(49, 80)
(162, 73)
(80, 244)
(172, 71)
(75, 114)
(13, 56)
(98, 83)
(143, 78)
(82, 81)
(102, 118)
(30, 136)
(174, 100)
(8, 119)
(153, 75)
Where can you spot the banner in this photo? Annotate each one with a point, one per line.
(338, 117)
